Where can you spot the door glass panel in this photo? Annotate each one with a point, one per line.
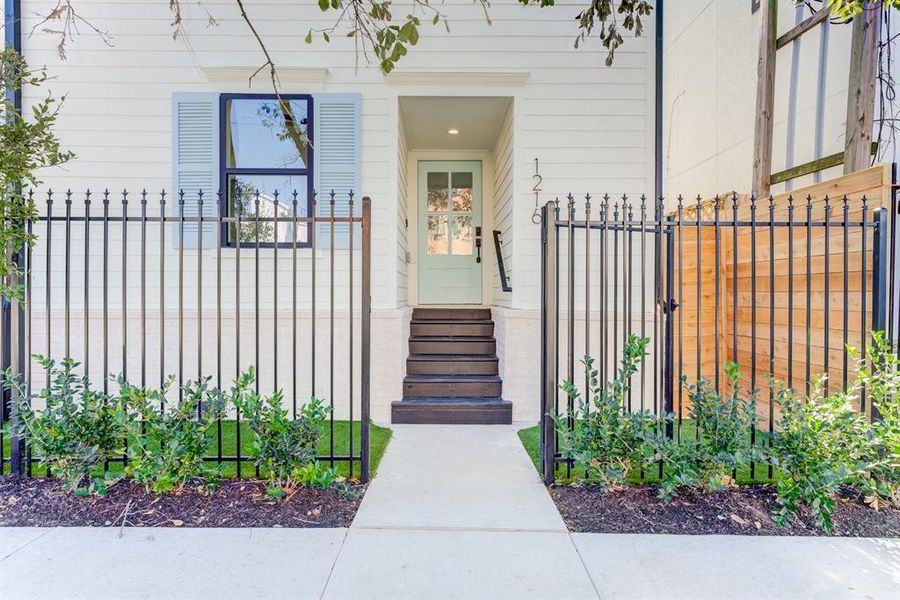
(461, 243)
(438, 239)
(437, 191)
(462, 192)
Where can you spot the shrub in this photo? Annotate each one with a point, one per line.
(880, 377)
(610, 441)
(75, 433)
(169, 443)
(721, 445)
(820, 444)
(284, 448)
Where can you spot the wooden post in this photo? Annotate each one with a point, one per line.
(861, 88)
(765, 99)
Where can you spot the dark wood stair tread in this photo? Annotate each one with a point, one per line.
(447, 411)
(452, 357)
(453, 378)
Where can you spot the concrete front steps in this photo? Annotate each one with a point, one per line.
(452, 370)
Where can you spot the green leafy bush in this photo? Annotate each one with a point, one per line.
(609, 440)
(284, 448)
(75, 433)
(168, 444)
(819, 444)
(721, 444)
(880, 377)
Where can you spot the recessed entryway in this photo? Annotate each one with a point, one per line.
(454, 188)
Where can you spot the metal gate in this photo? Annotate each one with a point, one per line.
(779, 287)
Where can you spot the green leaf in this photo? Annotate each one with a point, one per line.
(308, 38)
(324, 5)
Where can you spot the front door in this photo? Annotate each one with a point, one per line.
(450, 256)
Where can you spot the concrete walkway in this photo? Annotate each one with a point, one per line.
(456, 512)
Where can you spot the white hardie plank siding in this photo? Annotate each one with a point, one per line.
(504, 200)
(402, 229)
(589, 126)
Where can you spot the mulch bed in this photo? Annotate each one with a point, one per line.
(745, 510)
(41, 502)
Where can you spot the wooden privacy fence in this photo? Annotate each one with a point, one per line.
(780, 285)
(783, 300)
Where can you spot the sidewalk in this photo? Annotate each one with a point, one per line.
(456, 512)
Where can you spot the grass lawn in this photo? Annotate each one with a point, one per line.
(531, 439)
(378, 437)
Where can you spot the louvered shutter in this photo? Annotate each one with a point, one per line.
(336, 147)
(195, 163)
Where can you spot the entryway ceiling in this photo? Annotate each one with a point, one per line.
(426, 120)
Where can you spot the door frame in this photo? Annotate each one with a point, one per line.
(413, 158)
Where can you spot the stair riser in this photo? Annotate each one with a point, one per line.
(453, 329)
(451, 415)
(452, 367)
(451, 389)
(486, 347)
(451, 314)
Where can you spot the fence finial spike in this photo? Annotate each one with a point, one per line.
(162, 196)
(846, 202)
(865, 200)
(332, 196)
(351, 196)
(791, 201)
(275, 195)
(124, 196)
(827, 202)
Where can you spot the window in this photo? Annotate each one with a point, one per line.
(266, 153)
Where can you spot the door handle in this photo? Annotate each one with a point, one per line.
(478, 244)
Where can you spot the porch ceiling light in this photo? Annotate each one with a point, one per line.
(453, 131)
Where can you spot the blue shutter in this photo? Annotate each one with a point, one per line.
(195, 163)
(336, 151)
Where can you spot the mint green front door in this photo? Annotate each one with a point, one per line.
(450, 258)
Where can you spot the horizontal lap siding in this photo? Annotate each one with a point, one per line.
(588, 125)
(402, 236)
(504, 201)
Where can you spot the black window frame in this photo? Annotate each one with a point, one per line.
(225, 171)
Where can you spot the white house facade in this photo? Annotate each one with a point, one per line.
(474, 130)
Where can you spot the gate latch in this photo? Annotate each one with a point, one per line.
(670, 306)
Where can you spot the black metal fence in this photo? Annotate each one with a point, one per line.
(779, 287)
(197, 290)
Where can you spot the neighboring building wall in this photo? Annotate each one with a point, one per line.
(710, 55)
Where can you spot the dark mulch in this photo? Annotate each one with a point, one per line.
(745, 510)
(42, 502)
